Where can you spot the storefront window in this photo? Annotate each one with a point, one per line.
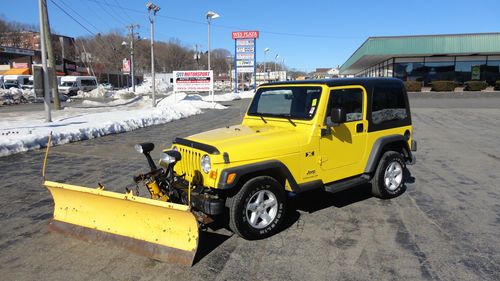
(409, 71)
(492, 72)
(469, 70)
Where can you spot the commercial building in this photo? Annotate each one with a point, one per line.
(427, 58)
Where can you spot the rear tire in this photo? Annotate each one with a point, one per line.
(258, 209)
(388, 180)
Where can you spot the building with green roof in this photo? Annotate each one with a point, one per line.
(427, 58)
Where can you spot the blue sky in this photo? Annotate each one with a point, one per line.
(306, 34)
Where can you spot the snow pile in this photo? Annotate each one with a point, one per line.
(96, 93)
(230, 96)
(27, 131)
(16, 96)
(161, 87)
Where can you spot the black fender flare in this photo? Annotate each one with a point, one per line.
(378, 148)
(241, 171)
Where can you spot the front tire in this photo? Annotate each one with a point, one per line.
(258, 209)
(388, 180)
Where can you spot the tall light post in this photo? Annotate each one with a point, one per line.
(210, 16)
(152, 10)
(266, 76)
(276, 63)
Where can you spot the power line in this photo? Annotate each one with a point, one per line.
(124, 12)
(84, 27)
(69, 7)
(232, 27)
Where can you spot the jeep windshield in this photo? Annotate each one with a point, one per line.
(290, 102)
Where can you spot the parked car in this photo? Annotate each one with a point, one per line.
(70, 85)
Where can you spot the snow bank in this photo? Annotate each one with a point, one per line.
(230, 96)
(27, 131)
(16, 96)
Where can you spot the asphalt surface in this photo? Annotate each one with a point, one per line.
(444, 227)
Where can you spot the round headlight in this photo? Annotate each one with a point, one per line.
(205, 164)
(166, 159)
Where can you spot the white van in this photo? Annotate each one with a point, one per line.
(17, 81)
(29, 85)
(70, 85)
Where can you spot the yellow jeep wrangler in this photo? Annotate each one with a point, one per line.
(296, 136)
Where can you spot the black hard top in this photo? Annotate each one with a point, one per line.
(365, 82)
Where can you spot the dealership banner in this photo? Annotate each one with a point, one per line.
(193, 81)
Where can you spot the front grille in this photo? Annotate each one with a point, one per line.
(189, 164)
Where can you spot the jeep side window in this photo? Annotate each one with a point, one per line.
(351, 100)
(388, 104)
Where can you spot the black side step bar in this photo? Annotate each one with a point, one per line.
(346, 184)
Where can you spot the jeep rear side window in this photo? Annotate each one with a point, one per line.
(351, 100)
(388, 104)
(288, 102)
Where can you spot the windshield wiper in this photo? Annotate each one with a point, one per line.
(288, 117)
(262, 117)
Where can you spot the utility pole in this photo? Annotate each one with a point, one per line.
(52, 59)
(48, 118)
(132, 37)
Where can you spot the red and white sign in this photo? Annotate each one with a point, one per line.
(126, 66)
(193, 81)
(245, 34)
(19, 65)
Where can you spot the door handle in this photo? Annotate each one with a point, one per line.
(359, 128)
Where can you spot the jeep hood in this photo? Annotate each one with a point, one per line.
(245, 143)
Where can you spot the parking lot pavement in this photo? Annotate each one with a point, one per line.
(445, 227)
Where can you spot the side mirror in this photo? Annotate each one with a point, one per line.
(338, 115)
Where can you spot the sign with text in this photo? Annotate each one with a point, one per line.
(244, 42)
(244, 49)
(193, 81)
(244, 56)
(245, 34)
(244, 63)
(245, 69)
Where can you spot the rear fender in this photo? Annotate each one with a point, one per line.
(381, 145)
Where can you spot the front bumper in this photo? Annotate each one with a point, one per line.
(207, 203)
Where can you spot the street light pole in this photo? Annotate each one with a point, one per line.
(210, 16)
(266, 76)
(48, 118)
(152, 7)
(276, 63)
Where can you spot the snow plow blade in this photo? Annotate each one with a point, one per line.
(160, 230)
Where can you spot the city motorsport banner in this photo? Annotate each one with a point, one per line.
(193, 81)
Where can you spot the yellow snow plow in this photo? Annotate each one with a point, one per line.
(161, 230)
(163, 227)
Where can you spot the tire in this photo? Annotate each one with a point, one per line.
(247, 216)
(388, 180)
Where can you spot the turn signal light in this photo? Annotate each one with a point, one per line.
(213, 175)
(230, 178)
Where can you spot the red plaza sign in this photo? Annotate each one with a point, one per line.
(245, 34)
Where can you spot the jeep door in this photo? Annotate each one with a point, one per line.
(342, 146)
